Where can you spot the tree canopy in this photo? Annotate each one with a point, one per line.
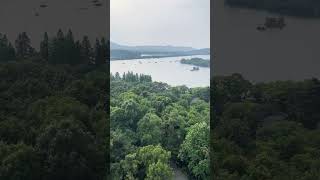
(265, 130)
(53, 111)
(153, 126)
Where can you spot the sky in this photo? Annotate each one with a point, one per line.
(161, 22)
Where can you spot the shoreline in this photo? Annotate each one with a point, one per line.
(156, 57)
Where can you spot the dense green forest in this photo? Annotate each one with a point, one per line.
(154, 125)
(196, 62)
(265, 131)
(53, 111)
(54, 120)
(303, 8)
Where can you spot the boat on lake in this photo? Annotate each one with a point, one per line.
(195, 69)
(272, 23)
(43, 5)
(98, 4)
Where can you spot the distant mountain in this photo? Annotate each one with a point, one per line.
(133, 52)
(204, 51)
(146, 49)
(124, 54)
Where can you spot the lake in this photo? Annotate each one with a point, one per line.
(168, 70)
(292, 53)
(81, 16)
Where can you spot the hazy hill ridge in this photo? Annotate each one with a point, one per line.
(132, 52)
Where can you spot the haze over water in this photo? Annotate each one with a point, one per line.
(168, 70)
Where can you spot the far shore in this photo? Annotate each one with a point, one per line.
(153, 57)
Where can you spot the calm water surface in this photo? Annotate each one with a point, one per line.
(289, 54)
(168, 70)
(81, 16)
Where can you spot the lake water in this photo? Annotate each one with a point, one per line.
(168, 70)
(81, 16)
(292, 53)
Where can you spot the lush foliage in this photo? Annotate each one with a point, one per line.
(53, 116)
(196, 61)
(265, 131)
(154, 125)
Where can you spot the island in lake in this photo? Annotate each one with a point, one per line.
(196, 62)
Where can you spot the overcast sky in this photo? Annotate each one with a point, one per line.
(161, 22)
